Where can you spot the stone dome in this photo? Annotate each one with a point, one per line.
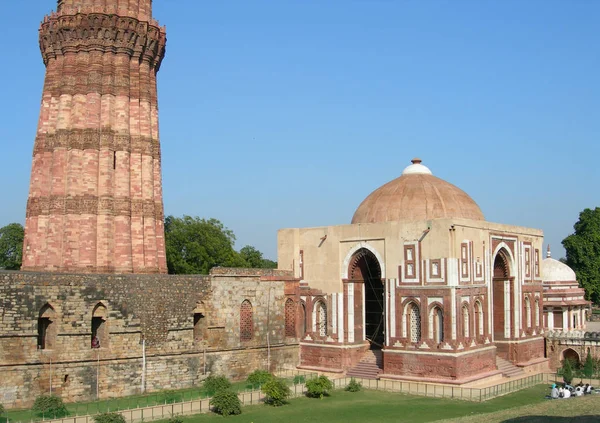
(416, 195)
(556, 271)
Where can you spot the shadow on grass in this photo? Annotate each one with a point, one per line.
(550, 419)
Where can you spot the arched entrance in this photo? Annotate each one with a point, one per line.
(365, 268)
(571, 355)
(502, 295)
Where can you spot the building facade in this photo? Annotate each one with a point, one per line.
(422, 277)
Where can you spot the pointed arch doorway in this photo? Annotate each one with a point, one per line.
(503, 291)
(366, 269)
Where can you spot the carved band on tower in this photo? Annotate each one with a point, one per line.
(95, 196)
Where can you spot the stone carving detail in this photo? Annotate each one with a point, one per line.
(61, 205)
(60, 34)
(92, 139)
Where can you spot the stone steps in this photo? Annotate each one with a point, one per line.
(369, 366)
(508, 369)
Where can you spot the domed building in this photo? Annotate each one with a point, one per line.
(564, 301)
(418, 287)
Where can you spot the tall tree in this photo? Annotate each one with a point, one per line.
(255, 259)
(11, 246)
(583, 252)
(194, 245)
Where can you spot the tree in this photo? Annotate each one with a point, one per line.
(11, 246)
(583, 252)
(254, 258)
(194, 245)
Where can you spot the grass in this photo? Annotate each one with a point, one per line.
(576, 410)
(379, 406)
(124, 403)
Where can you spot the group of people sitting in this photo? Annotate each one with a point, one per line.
(568, 391)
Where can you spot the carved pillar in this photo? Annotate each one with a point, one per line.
(95, 197)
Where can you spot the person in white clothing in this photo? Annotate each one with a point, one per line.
(567, 394)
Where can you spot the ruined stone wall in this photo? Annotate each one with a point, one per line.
(157, 308)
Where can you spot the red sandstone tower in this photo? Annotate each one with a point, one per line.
(95, 196)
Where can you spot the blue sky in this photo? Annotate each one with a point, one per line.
(289, 113)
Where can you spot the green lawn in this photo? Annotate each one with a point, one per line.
(124, 403)
(376, 406)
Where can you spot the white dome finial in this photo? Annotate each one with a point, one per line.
(416, 168)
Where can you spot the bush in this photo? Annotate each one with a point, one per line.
(353, 386)
(1, 409)
(258, 378)
(318, 387)
(226, 403)
(588, 367)
(277, 391)
(175, 419)
(49, 406)
(567, 371)
(299, 379)
(214, 384)
(109, 418)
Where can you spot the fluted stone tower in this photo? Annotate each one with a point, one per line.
(95, 197)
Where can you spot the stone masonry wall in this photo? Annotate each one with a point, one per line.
(157, 308)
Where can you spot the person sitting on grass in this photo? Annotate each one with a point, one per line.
(554, 392)
(567, 393)
(588, 389)
(578, 391)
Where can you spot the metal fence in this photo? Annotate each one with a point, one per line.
(202, 405)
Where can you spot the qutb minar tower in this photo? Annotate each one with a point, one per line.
(95, 197)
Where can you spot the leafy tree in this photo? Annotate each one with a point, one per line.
(277, 391)
(255, 260)
(318, 387)
(50, 406)
(11, 246)
(109, 418)
(226, 403)
(583, 252)
(194, 245)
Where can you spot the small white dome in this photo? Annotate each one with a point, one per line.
(555, 271)
(416, 168)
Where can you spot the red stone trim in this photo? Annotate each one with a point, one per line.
(61, 34)
(64, 205)
(97, 139)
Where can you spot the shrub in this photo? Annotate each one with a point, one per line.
(49, 406)
(258, 378)
(277, 391)
(1, 409)
(226, 402)
(109, 418)
(214, 384)
(318, 387)
(567, 371)
(175, 419)
(299, 379)
(588, 367)
(353, 386)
